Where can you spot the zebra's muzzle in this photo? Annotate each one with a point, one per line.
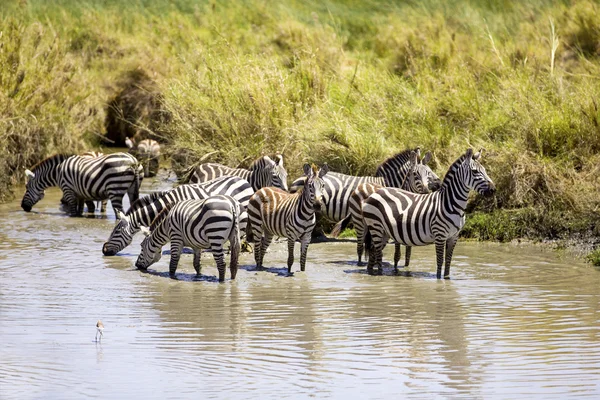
(26, 207)
(108, 251)
(490, 191)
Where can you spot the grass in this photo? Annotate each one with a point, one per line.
(344, 82)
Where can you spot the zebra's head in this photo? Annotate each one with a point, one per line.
(475, 176)
(34, 192)
(279, 174)
(120, 237)
(150, 253)
(421, 179)
(313, 187)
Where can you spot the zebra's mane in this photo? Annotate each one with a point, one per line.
(144, 201)
(401, 157)
(161, 216)
(261, 162)
(453, 168)
(57, 157)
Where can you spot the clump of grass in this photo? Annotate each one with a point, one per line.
(594, 257)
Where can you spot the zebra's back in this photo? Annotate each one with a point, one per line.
(208, 172)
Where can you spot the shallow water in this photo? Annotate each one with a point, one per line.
(514, 321)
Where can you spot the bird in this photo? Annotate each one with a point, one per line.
(99, 329)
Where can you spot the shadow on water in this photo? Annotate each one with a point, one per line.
(182, 276)
(276, 271)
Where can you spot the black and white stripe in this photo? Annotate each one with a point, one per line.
(419, 178)
(393, 172)
(84, 178)
(263, 172)
(144, 211)
(147, 151)
(273, 212)
(199, 224)
(421, 219)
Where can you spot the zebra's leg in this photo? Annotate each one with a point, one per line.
(407, 252)
(439, 255)
(116, 201)
(303, 250)
(450, 244)
(80, 204)
(197, 257)
(397, 254)
(176, 248)
(235, 249)
(290, 260)
(359, 227)
(220, 260)
(91, 207)
(264, 245)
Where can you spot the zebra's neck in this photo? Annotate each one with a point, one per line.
(159, 236)
(305, 207)
(454, 192)
(47, 175)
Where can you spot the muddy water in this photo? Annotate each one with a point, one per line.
(513, 322)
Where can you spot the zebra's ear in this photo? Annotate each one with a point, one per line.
(279, 159)
(469, 154)
(29, 174)
(427, 158)
(307, 169)
(128, 142)
(121, 216)
(414, 159)
(145, 230)
(324, 169)
(477, 155)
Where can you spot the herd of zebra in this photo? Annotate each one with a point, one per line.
(405, 201)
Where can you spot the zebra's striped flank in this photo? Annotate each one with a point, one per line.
(199, 224)
(422, 219)
(144, 211)
(85, 178)
(273, 212)
(263, 172)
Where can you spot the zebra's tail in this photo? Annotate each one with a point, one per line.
(368, 239)
(234, 240)
(340, 226)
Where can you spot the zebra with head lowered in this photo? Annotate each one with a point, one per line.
(89, 203)
(84, 178)
(147, 151)
(144, 211)
(421, 219)
(418, 177)
(262, 173)
(272, 211)
(199, 224)
(393, 172)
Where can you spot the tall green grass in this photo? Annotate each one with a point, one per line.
(344, 82)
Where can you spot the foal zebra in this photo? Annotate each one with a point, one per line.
(142, 212)
(262, 173)
(148, 152)
(419, 178)
(393, 172)
(199, 224)
(421, 219)
(84, 178)
(272, 211)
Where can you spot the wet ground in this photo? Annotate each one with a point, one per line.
(513, 322)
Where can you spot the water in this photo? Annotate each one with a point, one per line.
(514, 321)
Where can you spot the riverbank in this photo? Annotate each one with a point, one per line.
(348, 83)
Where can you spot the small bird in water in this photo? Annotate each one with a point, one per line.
(99, 329)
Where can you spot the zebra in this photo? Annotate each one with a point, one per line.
(84, 178)
(418, 179)
(148, 152)
(392, 172)
(421, 219)
(89, 203)
(199, 224)
(272, 211)
(142, 212)
(262, 173)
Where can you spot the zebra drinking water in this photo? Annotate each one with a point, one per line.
(392, 172)
(421, 219)
(147, 151)
(262, 173)
(418, 179)
(142, 212)
(84, 178)
(199, 224)
(272, 211)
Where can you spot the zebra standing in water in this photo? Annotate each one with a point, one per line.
(144, 211)
(84, 178)
(262, 173)
(199, 224)
(90, 204)
(272, 211)
(148, 152)
(418, 179)
(421, 219)
(391, 173)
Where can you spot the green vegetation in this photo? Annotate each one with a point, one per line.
(594, 257)
(344, 82)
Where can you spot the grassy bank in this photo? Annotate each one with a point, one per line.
(343, 82)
